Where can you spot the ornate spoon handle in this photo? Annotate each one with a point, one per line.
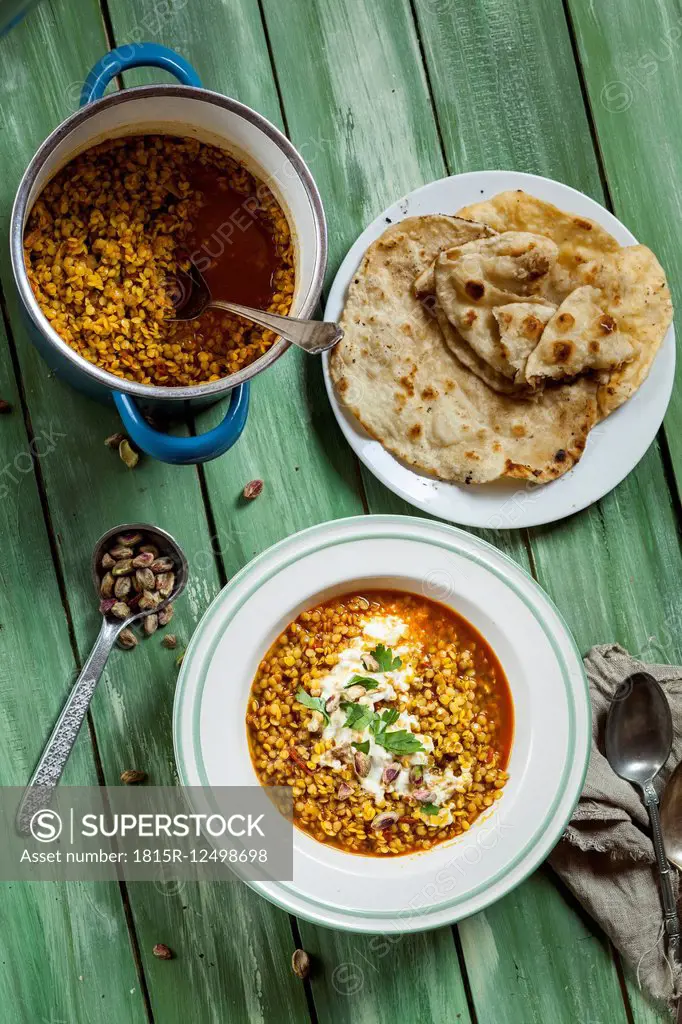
(311, 335)
(58, 748)
(672, 923)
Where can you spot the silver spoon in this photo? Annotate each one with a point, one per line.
(191, 297)
(671, 827)
(671, 817)
(58, 748)
(639, 737)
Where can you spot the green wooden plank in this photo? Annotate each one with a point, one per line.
(233, 949)
(627, 538)
(631, 62)
(381, 979)
(64, 948)
(310, 476)
(381, 132)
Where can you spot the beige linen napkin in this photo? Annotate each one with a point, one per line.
(605, 856)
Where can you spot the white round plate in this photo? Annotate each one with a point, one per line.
(614, 447)
(551, 705)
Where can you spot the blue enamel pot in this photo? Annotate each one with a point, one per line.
(188, 110)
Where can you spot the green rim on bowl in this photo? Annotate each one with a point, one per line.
(195, 665)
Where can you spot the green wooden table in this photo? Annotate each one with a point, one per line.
(381, 96)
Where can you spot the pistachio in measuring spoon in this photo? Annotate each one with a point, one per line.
(134, 576)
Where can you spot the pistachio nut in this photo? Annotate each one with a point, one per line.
(165, 583)
(143, 560)
(384, 820)
(144, 579)
(122, 568)
(162, 565)
(120, 610)
(122, 587)
(106, 585)
(120, 551)
(150, 624)
(127, 639)
(165, 615)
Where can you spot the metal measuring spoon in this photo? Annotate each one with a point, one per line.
(639, 737)
(192, 296)
(58, 748)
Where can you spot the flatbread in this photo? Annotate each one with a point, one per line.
(468, 231)
(579, 239)
(635, 292)
(394, 372)
(473, 279)
(520, 326)
(580, 336)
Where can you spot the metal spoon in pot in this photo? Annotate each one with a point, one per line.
(58, 748)
(191, 297)
(639, 736)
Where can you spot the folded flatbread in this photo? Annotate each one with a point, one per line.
(399, 378)
(475, 279)
(580, 336)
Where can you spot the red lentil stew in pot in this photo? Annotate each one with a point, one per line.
(107, 241)
(391, 718)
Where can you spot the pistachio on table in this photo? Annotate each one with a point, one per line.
(162, 951)
(128, 454)
(300, 964)
(114, 440)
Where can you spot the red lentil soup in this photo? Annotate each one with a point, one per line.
(109, 240)
(390, 717)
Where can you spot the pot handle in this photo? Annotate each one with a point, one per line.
(185, 451)
(135, 55)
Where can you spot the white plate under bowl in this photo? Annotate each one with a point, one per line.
(545, 673)
(614, 447)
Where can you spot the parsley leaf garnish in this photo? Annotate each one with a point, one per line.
(362, 747)
(384, 658)
(369, 684)
(430, 809)
(358, 716)
(314, 703)
(399, 741)
(389, 716)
